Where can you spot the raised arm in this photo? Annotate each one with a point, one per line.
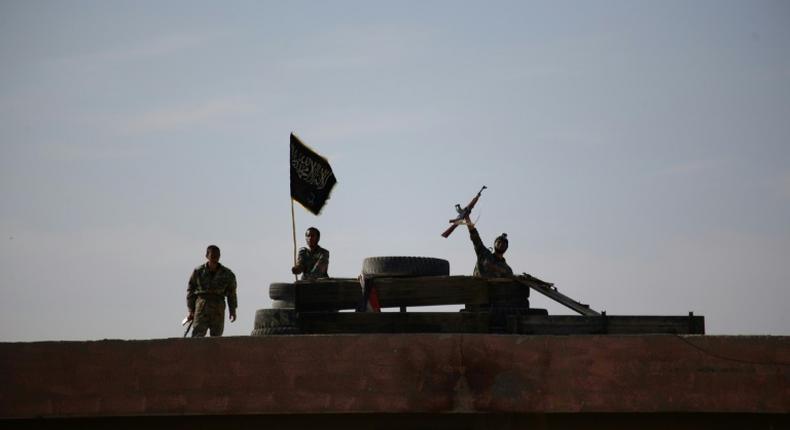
(480, 248)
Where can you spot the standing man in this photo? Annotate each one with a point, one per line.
(489, 264)
(209, 285)
(313, 261)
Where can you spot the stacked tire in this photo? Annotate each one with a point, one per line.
(405, 266)
(282, 319)
(270, 322)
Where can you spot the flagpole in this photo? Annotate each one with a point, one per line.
(293, 226)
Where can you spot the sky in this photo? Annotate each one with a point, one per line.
(637, 153)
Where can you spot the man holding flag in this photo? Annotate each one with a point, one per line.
(313, 261)
(312, 181)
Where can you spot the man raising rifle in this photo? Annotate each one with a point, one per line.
(489, 264)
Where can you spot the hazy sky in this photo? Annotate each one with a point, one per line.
(637, 153)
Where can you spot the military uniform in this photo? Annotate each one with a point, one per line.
(206, 296)
(488, 265)
(314, 263)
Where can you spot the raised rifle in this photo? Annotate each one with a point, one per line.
(462, 214)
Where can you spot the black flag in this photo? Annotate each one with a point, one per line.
(311, 177)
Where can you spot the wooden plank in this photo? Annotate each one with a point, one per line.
(611, 324)
(415, 291)
(393, 322)
(649, 324)
(559, 324)
(550, 291)
(430, 291)
(327, 294)
(482, 322)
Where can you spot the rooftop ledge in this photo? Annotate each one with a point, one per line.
(396, 373)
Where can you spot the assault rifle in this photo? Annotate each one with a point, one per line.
(462, 214)
(184, 322)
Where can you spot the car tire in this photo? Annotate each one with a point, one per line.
(282, 304)
(275, 322)
(282, 291)
(405, 266)
(274, 331)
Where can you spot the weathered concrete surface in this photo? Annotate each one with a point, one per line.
(416, 374)
(400, 421)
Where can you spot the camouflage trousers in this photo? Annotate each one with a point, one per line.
(209, 316)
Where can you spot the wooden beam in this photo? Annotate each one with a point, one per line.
(398, 292)
(481, 322)
(393, 322)
(610, 324)
(550, 291)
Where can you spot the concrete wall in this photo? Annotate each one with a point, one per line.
(366, 375)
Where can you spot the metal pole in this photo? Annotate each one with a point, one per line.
(293, 225)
